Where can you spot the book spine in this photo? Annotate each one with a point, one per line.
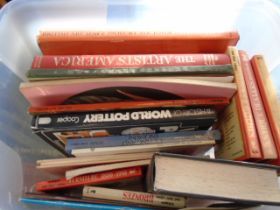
(232, 147)
(132, 35)
(134, 197)
(260, 118)
(217, 103)
(192, 145)
(141, 139)
(127, 61)
(125, 117)
(244, 109)
(218, 70)
(114, 43)
(269, 97)
(96, 178)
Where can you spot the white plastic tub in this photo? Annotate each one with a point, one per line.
(258, 22)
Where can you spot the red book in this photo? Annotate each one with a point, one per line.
(247, 124)
(218, 103)
(96, 178)
(133, 42)
(260, 118)
(126, 61)
(269, 97)
(97, 90)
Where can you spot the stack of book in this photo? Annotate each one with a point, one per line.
(134, 112)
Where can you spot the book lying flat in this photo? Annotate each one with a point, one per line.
(187, 145)
(133, 42)
(107, 167)
(96, 90)
(60, 165)
(90, 179)
(214, 179)
(135, 197)
(217, 103)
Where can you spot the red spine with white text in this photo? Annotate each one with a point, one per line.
(127, 61)
(96, 178)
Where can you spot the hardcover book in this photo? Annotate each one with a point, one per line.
(133, 42)
(127, 61)
(229, 180)
(258, 110)
(194, 66)
(80, 91)
(269, 97)
(202, 73)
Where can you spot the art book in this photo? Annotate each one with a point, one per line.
(133, 42)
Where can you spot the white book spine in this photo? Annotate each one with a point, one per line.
(134, 197)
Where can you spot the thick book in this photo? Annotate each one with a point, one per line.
(135, 197)
(260, 117)
(228, 180)
(142, 139)
(106, 167)
(249, 136)
(217, 103)
(126, 61)
(90, 179)
(60, 165)
(133, 42)
(269, 97)
(96, 90)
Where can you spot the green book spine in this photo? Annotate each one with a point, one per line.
(214, 70)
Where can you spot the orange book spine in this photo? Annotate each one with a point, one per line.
(269, 97)
(217, 103)
(133, 42)
(96, 178)
(260, 118)
(246, 119)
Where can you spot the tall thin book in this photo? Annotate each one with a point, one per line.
(240, 114)
(258, 110)
(269, 97)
